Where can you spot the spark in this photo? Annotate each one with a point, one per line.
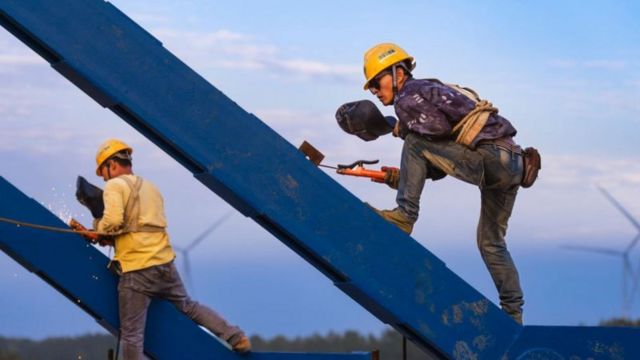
(59, 206)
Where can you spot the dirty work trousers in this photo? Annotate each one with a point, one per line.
(497, 171)
(135, 290)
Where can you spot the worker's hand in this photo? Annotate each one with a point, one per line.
(77, 226)
(105, 240)
(391, 176)
(90, 238)
(396, 129)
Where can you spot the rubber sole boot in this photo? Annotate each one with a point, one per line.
(517, 317)
(243, 345)
(397, 218)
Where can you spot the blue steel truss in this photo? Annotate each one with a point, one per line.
(79, 271)
(232, 152)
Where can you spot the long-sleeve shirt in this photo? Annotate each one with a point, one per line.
(432, 109)
(136, 250)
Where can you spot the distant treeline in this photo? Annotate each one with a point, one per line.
(96, 346)
(81, 347)
(621, 322)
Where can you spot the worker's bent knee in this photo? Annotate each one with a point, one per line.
(188, 307)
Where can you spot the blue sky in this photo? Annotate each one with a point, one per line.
(566, 74)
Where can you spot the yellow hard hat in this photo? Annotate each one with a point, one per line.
(108, 149)
(381, 57)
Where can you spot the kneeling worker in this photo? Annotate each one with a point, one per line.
(134, 213)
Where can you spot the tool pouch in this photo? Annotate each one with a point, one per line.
(531, 165)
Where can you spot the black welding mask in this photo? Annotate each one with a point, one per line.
(363, 119)
(90, 196)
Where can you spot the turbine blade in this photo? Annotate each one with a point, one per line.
(594, 249)
(632, 244)
(208, 231)
(620, 207)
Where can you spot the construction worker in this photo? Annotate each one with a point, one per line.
(484, 155)
(134, 213)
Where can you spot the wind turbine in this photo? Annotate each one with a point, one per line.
(185, 250)
(629, 275)
(634, 242)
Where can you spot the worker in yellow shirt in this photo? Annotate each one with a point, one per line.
(134, 213)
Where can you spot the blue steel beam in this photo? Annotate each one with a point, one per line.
(236, 155)
(576, 343)
(79, 271)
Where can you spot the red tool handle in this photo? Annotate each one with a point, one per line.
(374, 175)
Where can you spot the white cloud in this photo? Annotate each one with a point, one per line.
(231, 50)
(39, 139)
(576, 170)
(565, 206)
(605, 64)
(562, 63)
(312, 68)
(598, 64)
(21, 100)
(199, 39)
(15, 54)
(21, 59)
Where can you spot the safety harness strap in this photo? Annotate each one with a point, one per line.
(132, 210)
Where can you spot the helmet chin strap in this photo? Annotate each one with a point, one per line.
(395, 81)
(108, 164)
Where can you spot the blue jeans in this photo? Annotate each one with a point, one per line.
(497, 171)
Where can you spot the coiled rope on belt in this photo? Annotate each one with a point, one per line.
(471, 125)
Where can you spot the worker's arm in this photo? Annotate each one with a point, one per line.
(113, 218)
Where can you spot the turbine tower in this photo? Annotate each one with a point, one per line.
(184, 251)
(629, 274)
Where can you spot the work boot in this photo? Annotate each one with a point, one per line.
(398, 218)
(243, 345)
(517, 317)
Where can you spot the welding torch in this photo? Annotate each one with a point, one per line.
(357, 169)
